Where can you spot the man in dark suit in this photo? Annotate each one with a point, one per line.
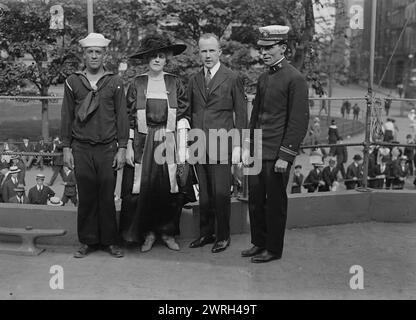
(297, 180)
(314, 179)
(20, 196)
(27, 147)
(10, 182)
(281, 112)
(216, 96)
(354, 173)
(40, 193)
(330, 175)
(70, 190)
(57, 161)
(341, 153)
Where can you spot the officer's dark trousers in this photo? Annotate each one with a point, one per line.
(214, 199)
(268, 207)
(96, 181)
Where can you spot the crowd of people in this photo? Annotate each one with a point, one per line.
(13, 168)
(388, 168)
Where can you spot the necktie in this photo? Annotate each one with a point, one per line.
(207, 78)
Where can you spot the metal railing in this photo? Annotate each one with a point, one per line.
(365, 144)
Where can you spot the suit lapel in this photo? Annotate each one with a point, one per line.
(219, 78)
(200, 81)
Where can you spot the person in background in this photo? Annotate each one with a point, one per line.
(39, 194)
(27, 147)
(381, 174)
(346, 107)
(57, 161)
(10, 182)
(314, 180)
(330, 176)
(15, 161)
(354, 173)
(409, 152)
(70, 190)
(389, 130)
(40, 147)
(400, 173)
(341, 154)
(355, 111)
(387, 105)
(297, 179)
(20, 196)
(412, 118)
(333, 136)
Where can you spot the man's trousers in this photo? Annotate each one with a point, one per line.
(268, 207)
(96, 181)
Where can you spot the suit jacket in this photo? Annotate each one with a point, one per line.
(14, 200)
(30, 148)
(281, 111)
(329, 177)
(299, 181)
(58, 161)
(71, 184)
(314, 177)
(216, 107)
(341, 153)
(36, 197)
(354, 171)
(8, 189)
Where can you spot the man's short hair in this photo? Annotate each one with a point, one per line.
(210, 35)
(298, 166)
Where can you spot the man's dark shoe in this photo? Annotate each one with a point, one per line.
(220, 245)
(115, 251)
(253, 251)
(202, 241)
(265, 256)
(84, 250)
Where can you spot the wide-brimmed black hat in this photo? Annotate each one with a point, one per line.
(156, 42)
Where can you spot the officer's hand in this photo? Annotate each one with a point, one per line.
(68, 158)
(130, 154)
(119, 159)
(236, 156)
(280, 166)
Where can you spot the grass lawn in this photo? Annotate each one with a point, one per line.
(18, 119)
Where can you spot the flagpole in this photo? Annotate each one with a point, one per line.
(90, 15)
(367, 140)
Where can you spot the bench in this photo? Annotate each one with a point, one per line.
(28, 237)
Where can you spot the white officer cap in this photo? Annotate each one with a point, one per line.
(270, 35)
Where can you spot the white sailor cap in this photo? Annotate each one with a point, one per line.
(272, 34)
(94, 40)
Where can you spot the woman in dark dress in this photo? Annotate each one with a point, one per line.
(151, 201)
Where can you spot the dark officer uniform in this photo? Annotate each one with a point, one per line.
(281, 111)
(93, 122)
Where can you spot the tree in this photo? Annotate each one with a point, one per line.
(24, 29)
